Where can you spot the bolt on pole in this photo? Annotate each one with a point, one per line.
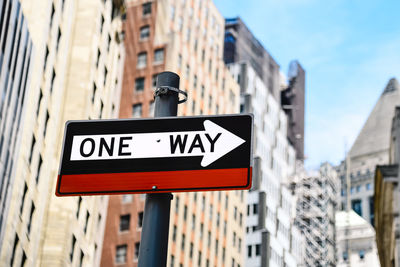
(154, 240)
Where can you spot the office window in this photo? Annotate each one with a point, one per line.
(159, 55)
(30, 218)
(16, 241)
(255, 208)
(23, 198)
(187, 71)
(151, 109)
(194, 81)
(174, 233)
(137, 111)
(368, 186)
(183, 242)
(140, 219)
(179, 61)
(144, 32)
(146, 9)
(120, 255)
(249, 251)
(71, 253)
(139, 84)
(357, 206)
(154, 81)
(137, 247)
(124, 222)
(191, 250)
(185, 212)
(86, 222)
(141, 60)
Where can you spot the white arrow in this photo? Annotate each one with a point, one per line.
(212, 143)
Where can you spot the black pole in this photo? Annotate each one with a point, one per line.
(154, 240)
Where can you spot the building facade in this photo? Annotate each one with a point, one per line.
(185, 37)
(386, 199)
(293, 103)
(15, 65)
(271, 238)
(240, 45)
(355, 241)
(371, 148)
(316, 204)
(75, 75)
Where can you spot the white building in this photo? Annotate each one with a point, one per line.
(271, 239)
(355, 241)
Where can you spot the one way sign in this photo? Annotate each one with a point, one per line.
(156, 155)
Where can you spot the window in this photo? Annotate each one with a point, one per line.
(137, 246)
(194, 81)
(154, 81)
(234, 239)
(124, 222)
(174, 233)
(179, 61)
(368, 186)
(151, 109)
(255, 208)
(86, 222)
(358, 188)
(23, 199)
(16, 241)
(356, 206)
(185, 212)
(120, 256)
(159, 55)
(146, 9)
(249, 251)
(187, 70)
(257, 250)
(140, 219)
(139, 84)
(137, 111)
(191, 250)
(183, 242)
(361, 253)
(141, 60)
(39, 168)
(144, 32)
(30, 218)
(71, 253)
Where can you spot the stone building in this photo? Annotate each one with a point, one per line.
(371, 148)
(355, 241)
(387, 201)
(185, 37)
(76, 69)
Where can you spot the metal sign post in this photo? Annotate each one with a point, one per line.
(154, 240)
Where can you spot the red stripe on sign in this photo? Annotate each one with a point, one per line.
(143, 182)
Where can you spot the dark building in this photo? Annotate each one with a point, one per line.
(293, 103)
(241, 45)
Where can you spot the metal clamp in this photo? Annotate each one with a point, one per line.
(163, 90)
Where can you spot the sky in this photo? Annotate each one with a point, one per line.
(349, 49)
